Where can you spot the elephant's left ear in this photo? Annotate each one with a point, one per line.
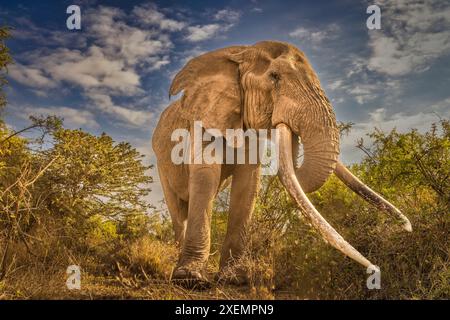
(212, 93)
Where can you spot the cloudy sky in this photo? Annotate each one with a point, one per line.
(113, 75)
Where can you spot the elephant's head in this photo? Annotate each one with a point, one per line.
(262, 86)
(267, 85)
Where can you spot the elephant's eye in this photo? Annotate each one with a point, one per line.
(274, 77)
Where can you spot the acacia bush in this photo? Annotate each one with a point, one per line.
(68, 198)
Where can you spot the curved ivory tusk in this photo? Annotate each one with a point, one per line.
(287, 176)
(369, 195)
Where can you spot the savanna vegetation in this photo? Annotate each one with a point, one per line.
(68, 197)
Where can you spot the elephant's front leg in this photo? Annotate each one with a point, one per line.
(244, 189)
(203, 185)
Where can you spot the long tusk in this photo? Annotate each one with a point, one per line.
(287, 176)
(369, 195)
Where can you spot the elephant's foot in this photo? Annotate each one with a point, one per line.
(190, 279)
(236, 277)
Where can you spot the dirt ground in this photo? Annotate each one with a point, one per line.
(114, 287)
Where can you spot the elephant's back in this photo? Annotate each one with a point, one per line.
(176, 175)
(169, 121)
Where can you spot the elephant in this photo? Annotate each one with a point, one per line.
(267, 85)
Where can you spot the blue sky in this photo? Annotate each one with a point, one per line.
(113, 75)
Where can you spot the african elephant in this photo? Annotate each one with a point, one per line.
(266, 85)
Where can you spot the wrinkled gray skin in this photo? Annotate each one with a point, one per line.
(266, 85)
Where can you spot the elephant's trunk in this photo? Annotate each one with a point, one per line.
(320, 155)
(288, 177)
(314, 123)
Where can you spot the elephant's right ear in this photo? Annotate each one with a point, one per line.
(212, 92)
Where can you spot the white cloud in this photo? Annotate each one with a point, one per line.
(306, 34)
(363, 92)
(29, 76)
(104, 102)
(200, 33)
(148, 14)
(441, 105)
(91, 69)
(226, 19)
(109, 29)
(413, 34)
(73, 118)
(118, 48)
(313, 35)
(360, 84)
(335, 84)
(40, 92)
(111, 66)
(227, 15)
(111, 61)
(357, 66)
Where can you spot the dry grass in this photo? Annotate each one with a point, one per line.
(140, 270)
